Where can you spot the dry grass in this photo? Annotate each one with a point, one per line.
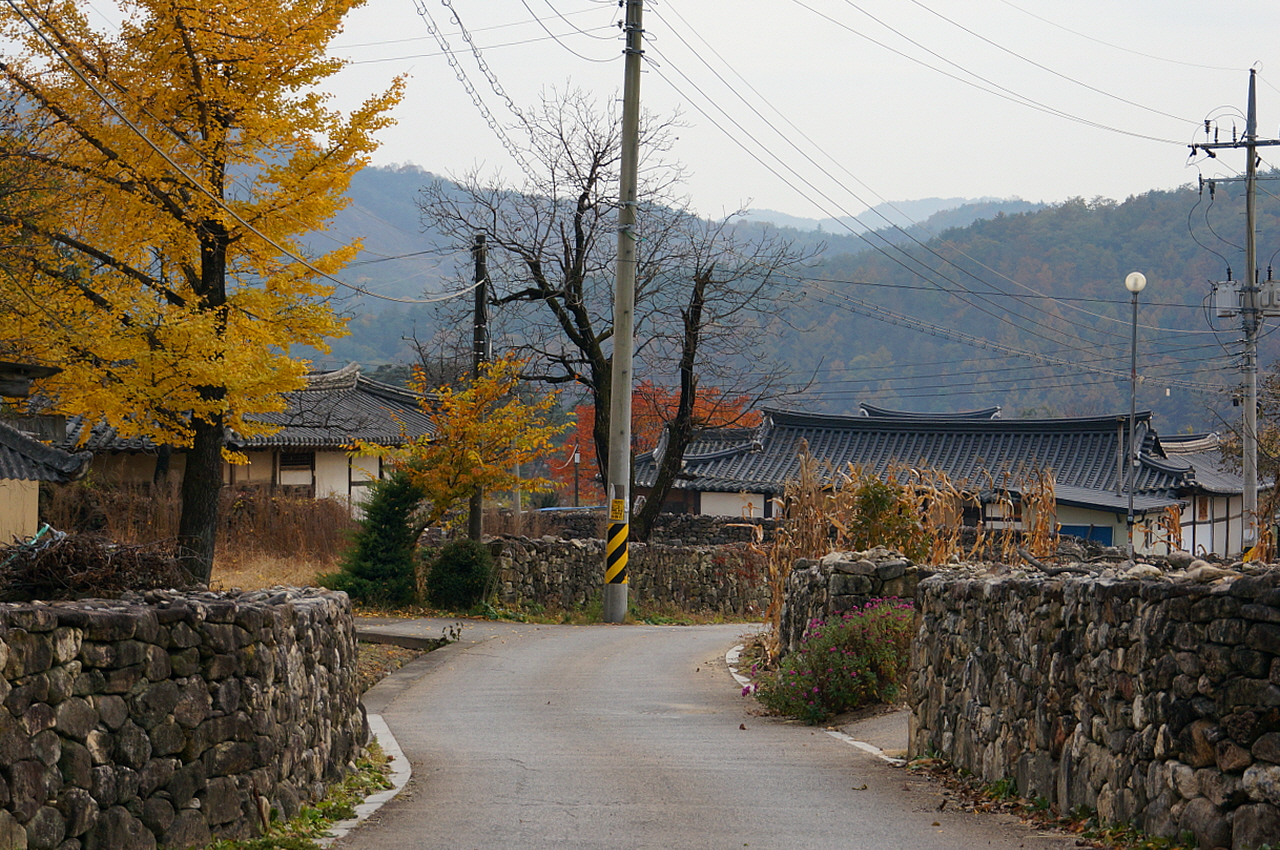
(917, 511)
(264, 538)
(255, 571)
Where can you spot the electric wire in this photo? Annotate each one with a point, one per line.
(476, 100)
(892, 252)
(557, 40)
(867, 308)
(199, 187)
(785, 137)
(497, 46)
(487, 28)
(1116, 46)
(1036, 64)
(1001, 92)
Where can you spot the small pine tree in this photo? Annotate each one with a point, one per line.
(378, 567)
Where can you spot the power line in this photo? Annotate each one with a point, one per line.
(200, 188)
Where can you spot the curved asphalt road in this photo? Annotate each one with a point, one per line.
(531, 737)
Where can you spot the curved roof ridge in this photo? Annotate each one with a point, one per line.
(339, 379)
(916, 422)
(872, 411)
(1181, 444)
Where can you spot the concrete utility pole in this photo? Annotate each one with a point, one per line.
(618, 485)
(479, 355)
(1250, 309)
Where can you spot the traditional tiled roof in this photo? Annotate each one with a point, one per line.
(1203, 452)
(980, 452)
(334, 409)
(25, 459)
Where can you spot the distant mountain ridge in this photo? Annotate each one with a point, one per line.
(932, 214)
(1045, 279)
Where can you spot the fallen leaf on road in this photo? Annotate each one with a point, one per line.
(862, 787)
(742, 726)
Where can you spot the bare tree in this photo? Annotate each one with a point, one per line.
(705, 298)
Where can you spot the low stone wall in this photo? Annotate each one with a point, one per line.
(669, 529)
(1153, 701)
(171, 719)
(565, 573)
(842, 581)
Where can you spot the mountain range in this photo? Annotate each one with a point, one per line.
(964, 303)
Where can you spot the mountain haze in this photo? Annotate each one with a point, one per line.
(1011, 275)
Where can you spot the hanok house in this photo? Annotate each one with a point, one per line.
(307, 456)
(737, 472)
(25, 461)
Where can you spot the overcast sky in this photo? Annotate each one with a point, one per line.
(822, 107)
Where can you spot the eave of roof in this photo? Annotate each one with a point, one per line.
(334, 410)
(25, 459)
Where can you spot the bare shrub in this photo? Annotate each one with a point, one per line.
(255, 520)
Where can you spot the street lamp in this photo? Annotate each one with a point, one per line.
(1134, 282)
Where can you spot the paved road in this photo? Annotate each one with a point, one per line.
(536, 737)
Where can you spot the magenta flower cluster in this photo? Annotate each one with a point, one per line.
(843, 663)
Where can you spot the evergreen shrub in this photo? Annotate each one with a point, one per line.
(458, 575)
(378, 567)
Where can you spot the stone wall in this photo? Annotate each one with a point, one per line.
(172, 718)
(670, 529)
(566, 573)
(1152, 701)
(841, 582)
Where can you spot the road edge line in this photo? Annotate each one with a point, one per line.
(731, 659)
(401, 773)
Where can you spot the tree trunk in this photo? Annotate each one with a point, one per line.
(201, 488)
(680, 429)
(600, 428)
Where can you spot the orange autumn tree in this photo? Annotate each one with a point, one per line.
(652, 407)
(181, 157)
(481, 433)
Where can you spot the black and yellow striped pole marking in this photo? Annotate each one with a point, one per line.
(615, 550)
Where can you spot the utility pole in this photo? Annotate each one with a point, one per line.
(1251, 311)
(479, 355)
(618, 485)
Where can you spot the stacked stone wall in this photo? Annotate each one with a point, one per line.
(566, 573)
(842, 581)
(1154, 702)
(171, 719)
(669, 529)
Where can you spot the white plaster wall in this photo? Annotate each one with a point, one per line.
(733, 504)
(1221, 533)
(332, 475)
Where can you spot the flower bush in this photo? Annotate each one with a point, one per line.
(858, 659)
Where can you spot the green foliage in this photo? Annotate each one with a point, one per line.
(458, 575)
(854, 661)
(378, 568)
(883, 516)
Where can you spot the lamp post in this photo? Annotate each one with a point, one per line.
(1134, 282)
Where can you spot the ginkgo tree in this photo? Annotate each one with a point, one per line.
(172, 163)
(482, 433)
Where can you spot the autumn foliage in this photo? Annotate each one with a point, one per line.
(162, 179)
(652, 407)
(481, 434)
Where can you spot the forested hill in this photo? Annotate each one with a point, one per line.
(1047, 281)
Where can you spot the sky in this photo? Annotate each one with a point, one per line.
(823, 108)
